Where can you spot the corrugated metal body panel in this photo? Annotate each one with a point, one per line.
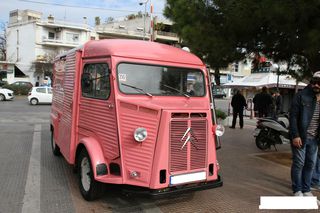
(199, 149)
(65, 126)
(178, 156)
(58, 95)
(188, 144)
(138, 156)
(100, 120)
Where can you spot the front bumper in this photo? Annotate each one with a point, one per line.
(10, 97)
(172, 190)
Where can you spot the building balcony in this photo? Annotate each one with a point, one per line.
(162, 35)
(57, 42)
(121, 32)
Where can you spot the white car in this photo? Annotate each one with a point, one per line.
(40, 95)
(6, 94)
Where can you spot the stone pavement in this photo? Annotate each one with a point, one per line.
(247, 174)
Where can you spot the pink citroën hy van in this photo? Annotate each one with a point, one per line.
(135, 113)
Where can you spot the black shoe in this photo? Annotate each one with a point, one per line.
(231, 127)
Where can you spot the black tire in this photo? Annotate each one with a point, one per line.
(34, 101)
(2, 97)
(54, 146)
(262, 141)
(90, 188)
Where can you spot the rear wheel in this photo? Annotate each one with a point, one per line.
(55, 148)
(90, 188)
(2, 97)
(262, 140)
(34, 101)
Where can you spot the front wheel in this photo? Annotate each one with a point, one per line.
(262, 141)
(90, 188)
(2, 97)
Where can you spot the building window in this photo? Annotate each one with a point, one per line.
(95, 82)
(72, 37)
(236, 67)
(51, 35)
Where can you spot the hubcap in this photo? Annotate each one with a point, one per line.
(85, 174)
(1, 97)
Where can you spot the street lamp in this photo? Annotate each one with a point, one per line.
(144, 16)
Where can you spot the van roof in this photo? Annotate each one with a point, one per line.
(140, 50)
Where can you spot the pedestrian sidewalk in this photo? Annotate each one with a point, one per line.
(247, 121)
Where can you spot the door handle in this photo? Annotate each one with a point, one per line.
(110, 106)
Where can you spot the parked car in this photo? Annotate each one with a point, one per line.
(218, 93)
(20, 87)
(6, 94)
(39, 95)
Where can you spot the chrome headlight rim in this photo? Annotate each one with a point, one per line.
(219, 130)
(140, 134)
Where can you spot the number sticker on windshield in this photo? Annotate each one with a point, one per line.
(122, 77)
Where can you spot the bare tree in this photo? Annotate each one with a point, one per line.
(44, 66)
(3, 42)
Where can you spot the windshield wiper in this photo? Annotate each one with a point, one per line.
(181, 93)
(138, 89)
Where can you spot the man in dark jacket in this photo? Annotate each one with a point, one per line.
(304, 133)
(262, 103)
(238, 103)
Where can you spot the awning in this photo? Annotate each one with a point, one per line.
(269, 80)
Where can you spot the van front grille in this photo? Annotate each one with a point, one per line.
(192, 155)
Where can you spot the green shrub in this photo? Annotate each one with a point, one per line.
(18, 90)
(220, 114)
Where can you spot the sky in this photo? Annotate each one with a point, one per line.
(75, 10)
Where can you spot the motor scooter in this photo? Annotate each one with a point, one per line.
(271, 131)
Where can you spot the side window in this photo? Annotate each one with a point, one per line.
(95, 82)
(50, 90)
(41, 90)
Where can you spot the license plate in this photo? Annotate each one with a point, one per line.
(256, 132)
(186, 178)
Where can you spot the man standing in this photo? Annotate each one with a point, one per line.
(238, 103)
(279, 104)
(263, 102)
(304, 133)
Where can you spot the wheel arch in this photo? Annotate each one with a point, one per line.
(95, 153)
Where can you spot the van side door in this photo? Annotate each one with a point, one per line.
(97, 113)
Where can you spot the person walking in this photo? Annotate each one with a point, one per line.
(304, 135)
(238, 103)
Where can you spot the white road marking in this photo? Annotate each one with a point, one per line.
(31, 199)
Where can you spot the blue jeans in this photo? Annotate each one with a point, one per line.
(303, 163)
(316, 173)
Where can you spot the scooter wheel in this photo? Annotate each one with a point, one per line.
(262, 141)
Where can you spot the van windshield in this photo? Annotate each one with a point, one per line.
(160, 80)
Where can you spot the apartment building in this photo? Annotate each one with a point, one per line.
(32, 43)
(139, 28)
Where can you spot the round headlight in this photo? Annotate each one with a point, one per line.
(220, 130)
(140, 134)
